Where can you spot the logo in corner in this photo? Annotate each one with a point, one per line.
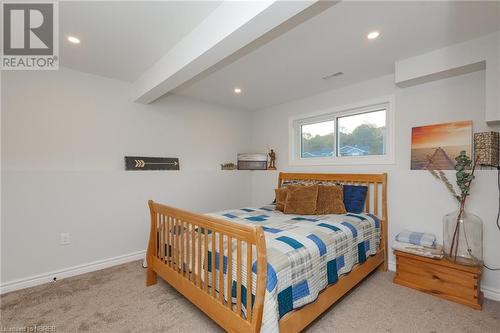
(30, 35)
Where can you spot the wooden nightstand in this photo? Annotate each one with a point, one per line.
(440, 277)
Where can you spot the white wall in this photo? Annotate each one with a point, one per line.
(416, 200)
(64, 136)
(456, 58)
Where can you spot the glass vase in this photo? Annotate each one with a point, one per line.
(463, 238)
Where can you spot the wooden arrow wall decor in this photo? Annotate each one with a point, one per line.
(151, 163)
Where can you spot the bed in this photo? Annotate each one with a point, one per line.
(256, 269)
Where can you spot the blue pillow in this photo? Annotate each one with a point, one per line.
(354, 198)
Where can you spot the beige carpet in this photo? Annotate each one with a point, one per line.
(116, 300)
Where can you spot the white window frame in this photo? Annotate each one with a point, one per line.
(295, 133)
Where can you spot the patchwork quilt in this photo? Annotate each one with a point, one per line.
(305, 254)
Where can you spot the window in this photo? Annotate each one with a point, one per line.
(362, 134)
(318, 139)
(349, 135)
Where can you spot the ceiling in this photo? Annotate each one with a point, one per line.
(122, 39)
(292, 65)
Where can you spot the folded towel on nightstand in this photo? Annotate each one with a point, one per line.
(436, 252)
(417, 238)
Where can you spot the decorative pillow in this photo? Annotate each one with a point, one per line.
(330, 200)
(301, 200)
(281, 194)
(354, 198)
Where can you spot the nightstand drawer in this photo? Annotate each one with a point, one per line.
(439, 277)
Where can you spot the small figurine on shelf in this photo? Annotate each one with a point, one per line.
(272, 161)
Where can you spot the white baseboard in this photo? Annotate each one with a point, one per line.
(68, 272)
(489, 293)
(391, 265)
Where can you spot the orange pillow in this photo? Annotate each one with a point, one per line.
(281, 194)
(330, 200)
(301, 200)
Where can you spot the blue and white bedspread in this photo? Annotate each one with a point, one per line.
(305, 254)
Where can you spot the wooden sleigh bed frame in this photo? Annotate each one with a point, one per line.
(166, 263)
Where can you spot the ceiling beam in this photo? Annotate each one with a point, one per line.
(230, 27)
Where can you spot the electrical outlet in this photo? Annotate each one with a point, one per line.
(64, 238)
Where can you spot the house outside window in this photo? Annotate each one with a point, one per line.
(354, 134)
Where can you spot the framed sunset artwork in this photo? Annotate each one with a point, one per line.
(437, 145)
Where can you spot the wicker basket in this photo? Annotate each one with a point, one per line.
(486, 147)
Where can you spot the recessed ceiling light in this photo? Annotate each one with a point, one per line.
(373, 35)
(237, 90)
(73, 40)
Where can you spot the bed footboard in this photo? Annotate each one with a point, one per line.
(187, 250)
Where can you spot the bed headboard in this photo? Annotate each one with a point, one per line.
(376, 197)
(376, 202)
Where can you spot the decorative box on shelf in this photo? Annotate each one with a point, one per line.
(252, 161)
(440, 277)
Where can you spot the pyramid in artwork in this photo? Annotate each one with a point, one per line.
(440, 161)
